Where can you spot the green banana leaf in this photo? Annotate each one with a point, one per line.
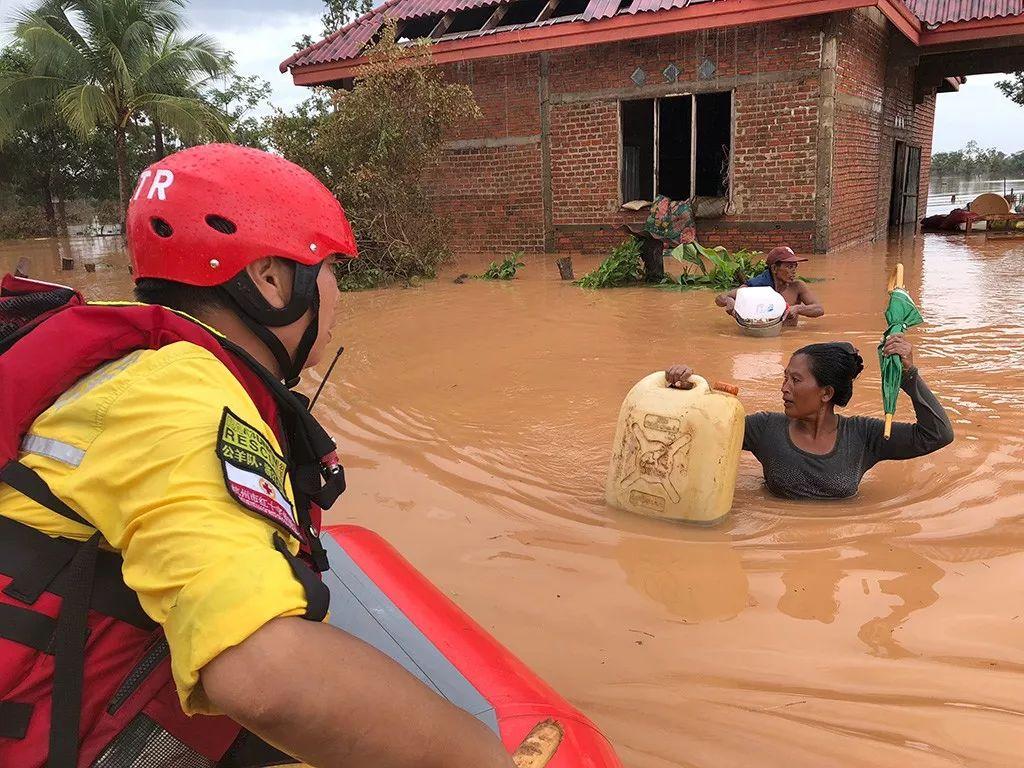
(900, 315)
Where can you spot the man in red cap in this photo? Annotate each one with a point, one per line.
(781, 275)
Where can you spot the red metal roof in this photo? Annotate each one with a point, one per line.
(945, 11)
(348, 42)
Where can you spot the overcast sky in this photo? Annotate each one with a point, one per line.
(261, 33)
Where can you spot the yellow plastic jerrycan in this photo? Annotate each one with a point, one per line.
(676, 451)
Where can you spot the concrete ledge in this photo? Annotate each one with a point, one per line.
(708, 224)
(685, 87)
(506, 141)
(867, 106)
(756, 226)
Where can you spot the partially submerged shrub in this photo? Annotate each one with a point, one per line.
(728, 270)
(622, 267)
(504, 270)
(22, 222)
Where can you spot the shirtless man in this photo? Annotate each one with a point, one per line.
(781, 275)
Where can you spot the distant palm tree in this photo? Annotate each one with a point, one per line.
(108, 63)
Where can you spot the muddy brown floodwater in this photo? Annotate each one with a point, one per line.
(476, 423)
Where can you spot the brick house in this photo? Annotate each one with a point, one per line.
(807, 122)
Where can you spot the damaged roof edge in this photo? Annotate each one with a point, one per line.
(287, 64)
(340, 59)
(577, 32)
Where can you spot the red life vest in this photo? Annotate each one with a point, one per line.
(85, 676)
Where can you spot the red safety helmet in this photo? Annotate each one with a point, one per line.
(202, 215)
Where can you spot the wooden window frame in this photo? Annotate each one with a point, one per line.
(693, 138)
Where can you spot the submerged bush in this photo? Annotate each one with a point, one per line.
(622, 267)
(506, 269)
(728, 270)
(22, 222)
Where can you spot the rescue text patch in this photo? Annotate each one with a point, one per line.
(254, 473)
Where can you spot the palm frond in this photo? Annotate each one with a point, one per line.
(180, 63)
(55, 15)
(119, 72)
(193, 119)
(50, 50)
(86, 106)
(164, 14)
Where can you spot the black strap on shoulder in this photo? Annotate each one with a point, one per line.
(28, 482)
(27, 627)
(69, 658)
(318, 596)
(37, 563)
(14, 719)
(309, 443)
(32, 559)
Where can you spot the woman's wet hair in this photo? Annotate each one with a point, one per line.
(835, 365)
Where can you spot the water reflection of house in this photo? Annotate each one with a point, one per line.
(799, 121)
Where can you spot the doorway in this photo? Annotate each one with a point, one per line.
(906, 175)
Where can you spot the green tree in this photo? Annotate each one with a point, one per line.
(237, 97)
(337, 13)
(373, 146)
(45, 165)
(107, 65)
(975, 160)
(1013, 88)
(181, 81)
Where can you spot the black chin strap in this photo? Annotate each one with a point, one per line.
(259, 317)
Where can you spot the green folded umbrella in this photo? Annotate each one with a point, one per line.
(901, 314)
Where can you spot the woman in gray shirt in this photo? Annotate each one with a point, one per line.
(810, 451)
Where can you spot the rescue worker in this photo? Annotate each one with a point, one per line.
(159, 506)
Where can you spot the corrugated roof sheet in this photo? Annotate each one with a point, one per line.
(946, 11)
(348, 42)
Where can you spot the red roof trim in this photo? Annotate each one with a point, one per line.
(287, 63)
(723, 13)
(901, 18)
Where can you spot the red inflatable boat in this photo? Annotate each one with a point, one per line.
(379, 597)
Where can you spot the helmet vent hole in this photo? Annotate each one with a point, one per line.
(222, 225)
(161, 227)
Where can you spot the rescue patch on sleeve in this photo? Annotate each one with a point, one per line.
(254, 473)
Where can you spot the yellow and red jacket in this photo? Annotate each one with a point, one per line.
(87, 677)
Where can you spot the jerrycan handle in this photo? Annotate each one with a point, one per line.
(700, 385)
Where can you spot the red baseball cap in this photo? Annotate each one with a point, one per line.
(782, 253)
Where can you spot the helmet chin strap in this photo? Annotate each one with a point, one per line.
(259, 317)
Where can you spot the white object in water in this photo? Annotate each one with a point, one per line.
(759, 310)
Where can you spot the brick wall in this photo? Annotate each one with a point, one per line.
(874, 109)
(505, 89)
(775, 157)
(903, 120)
(584, 162)
(488, 183)
(772, 70)
(491, 178)
(492, 197)
(860, 86)
(921, 132)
